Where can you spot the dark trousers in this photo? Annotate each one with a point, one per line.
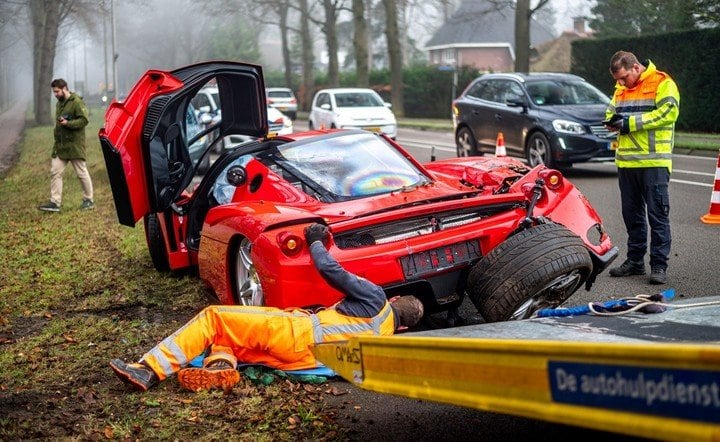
(642, 188)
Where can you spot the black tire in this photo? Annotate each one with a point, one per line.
(538, 151)
(156, 243)
(537, 268)
(465, 143)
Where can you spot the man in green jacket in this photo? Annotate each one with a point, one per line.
(71, 117)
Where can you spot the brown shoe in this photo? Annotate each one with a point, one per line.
(219, 376)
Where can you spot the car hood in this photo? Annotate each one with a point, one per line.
(367, 113)
(591, 113)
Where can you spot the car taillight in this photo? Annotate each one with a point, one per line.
(270, 101)
(278, 121)
(290, 243)
(293, 101)
(553, 179)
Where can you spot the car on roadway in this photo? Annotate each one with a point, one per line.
(282, 99)
(548, 118)
(511, 237)
(352, 108)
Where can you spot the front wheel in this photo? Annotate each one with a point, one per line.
(537, 268)
(465, 143)
(156, 243)
(539, 151)
(248, 290)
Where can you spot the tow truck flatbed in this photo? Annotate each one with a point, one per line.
(648, 375)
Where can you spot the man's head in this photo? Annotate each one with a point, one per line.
(625, 68)
(409, 310)
(60, 89)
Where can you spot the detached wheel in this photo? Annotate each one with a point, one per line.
(539, 151)
(248, 290)
(156, 243)
(534, 269)
(465, 143)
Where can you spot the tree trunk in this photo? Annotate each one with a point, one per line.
(330, 30)
(395, 55)
(360, 40)
(287, 62)
(308, 59)
(522, 36)
(45, 17)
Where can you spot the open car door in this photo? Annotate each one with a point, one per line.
(145, 141)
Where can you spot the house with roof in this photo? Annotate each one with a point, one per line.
(481, 34)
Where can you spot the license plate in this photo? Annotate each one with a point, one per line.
(373, 129)
(442, 258)
(282, 108)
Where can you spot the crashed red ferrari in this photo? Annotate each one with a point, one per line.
(514, 239)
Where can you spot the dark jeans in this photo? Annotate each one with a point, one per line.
(641, 188)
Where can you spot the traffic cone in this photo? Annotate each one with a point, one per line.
(713, 215)
(500, 146)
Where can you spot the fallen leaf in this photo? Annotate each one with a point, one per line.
(70, 339)
(48, 315)
(109, 433)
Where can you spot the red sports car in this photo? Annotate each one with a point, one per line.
(515, 239)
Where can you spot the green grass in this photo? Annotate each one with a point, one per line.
(79, 289)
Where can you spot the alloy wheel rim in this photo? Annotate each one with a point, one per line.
(550, 296)
(247, 280)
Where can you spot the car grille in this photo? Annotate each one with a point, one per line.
(413, 227)
(600, 131)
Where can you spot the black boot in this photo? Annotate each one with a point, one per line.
(628, 268)
(139, 375)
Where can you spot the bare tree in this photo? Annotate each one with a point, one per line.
(360, 43)
(395, 55)
(523, 16)
(329, 27)
(308, 58)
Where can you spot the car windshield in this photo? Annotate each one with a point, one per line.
(562, 92)
(357, 99)
(349, 166)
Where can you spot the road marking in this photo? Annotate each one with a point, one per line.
(692, 172)
(694, 183)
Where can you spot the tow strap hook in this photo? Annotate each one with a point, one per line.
(537, 193)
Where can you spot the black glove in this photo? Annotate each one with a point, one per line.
(619, 122)
(317, 232)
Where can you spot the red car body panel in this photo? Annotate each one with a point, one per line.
(464, 209)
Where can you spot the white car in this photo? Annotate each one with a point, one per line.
(282, 99)
(278, 122)
(352, 108)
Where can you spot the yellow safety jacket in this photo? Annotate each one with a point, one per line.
(262, 335)
(652, 106)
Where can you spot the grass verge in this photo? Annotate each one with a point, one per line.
(79, 289)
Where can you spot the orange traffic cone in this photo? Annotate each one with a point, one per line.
(713, 215)
(500, 146)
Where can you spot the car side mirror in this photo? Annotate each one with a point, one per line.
(236, 176)
(325, 106)
(516, 102)
(387, 105)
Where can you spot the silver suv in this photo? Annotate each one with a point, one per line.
(282, 99)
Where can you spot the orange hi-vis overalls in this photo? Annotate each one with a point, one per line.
(262, 335)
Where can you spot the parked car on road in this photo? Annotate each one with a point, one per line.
(352, 108)
(512, 237)
(547, 118)
(282, 99)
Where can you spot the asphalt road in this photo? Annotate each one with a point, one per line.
(693, 273)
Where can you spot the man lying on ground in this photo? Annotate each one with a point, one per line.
(270, 336)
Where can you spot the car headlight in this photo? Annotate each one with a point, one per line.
(568, 127)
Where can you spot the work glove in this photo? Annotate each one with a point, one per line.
(620, 122)
(317, 232)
